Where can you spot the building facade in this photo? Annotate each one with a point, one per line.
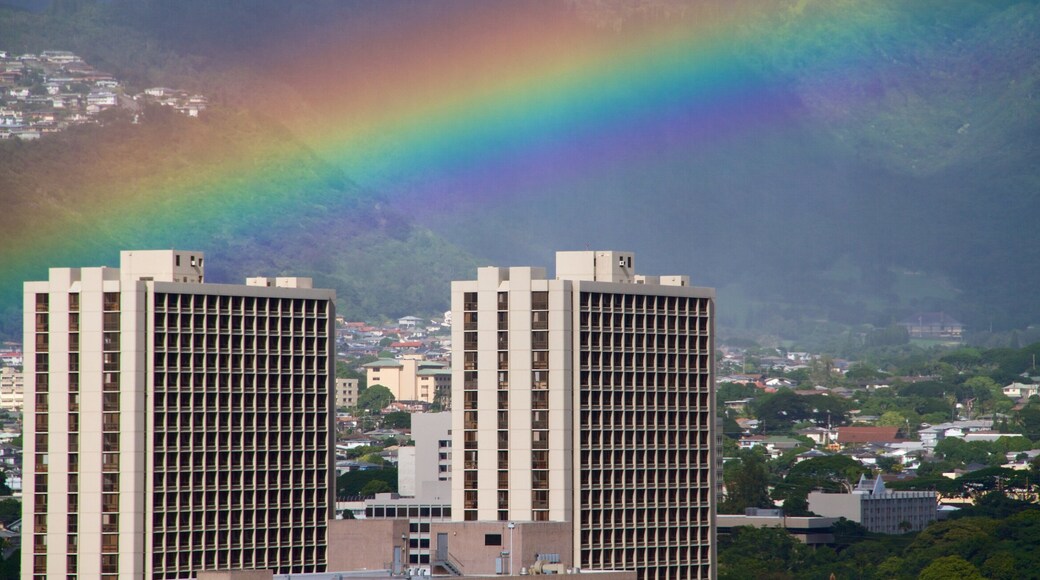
(877, 509)
(589, 399)
(174, 426)
(410, 377)
(12, 389)
(346, 393)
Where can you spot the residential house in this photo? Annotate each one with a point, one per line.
(933, 325)
(859, 435)
(1021, 390)
(932, 434)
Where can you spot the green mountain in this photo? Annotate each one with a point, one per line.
(898, 172)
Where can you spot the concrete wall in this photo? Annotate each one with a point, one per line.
(364, 544)
(236, 575)
(467, 543)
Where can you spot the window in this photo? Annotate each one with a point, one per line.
(110, 564)
(539, 300)
(492, 539)
(111, 301)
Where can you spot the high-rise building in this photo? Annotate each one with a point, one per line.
(172, 425)
(589, 399)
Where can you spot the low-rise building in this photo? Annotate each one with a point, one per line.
(860, 435)
(346, 392)
(931, 435)
(1021, 390)
(877, 509)
(811, 530)
(410, 378)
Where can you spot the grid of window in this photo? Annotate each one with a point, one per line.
(419, 516)
(241, 434)
(42, 459)
(645, 455)
(502, 406)
(110, 434)
(540, 406)
(469, 416)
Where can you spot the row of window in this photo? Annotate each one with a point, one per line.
(208, 379)
(110, 302)
(221, 343)
(241, 327)
(645, 303)
(278, 559)
(252, 305)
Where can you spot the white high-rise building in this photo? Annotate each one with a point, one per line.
(589, 399)
(173, 426)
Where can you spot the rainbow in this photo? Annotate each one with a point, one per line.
(499, 101)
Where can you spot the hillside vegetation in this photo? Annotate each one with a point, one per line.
(897, 172)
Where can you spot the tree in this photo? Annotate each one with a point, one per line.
(891, 419)
(375, 486)
(10, 511)
(397, 420)
(351, 483)
(374, 398)
(950, 567)
(760, 553)
(747, 484)
(833, 473)
(963, 359)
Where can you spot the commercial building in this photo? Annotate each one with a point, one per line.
(174, 426)
(877, 509)
(810, 530)
(589, 399)
(410, 378)
(423, 485)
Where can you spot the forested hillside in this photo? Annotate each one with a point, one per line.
(305, 218)
(879, 159)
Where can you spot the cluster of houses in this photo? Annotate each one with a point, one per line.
(54, 90)
(411, 335)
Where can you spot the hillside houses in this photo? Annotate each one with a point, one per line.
(56, 89)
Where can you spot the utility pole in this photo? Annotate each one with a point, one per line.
(511, 526)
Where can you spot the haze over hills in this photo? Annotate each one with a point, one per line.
(828, 160)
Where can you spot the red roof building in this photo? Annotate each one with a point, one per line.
(849, 435)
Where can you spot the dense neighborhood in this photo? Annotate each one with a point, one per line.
(54, 90)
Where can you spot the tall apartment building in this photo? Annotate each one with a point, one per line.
(589, 399)
(173, 426)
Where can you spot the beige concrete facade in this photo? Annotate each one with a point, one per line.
(477, 548)
(432, 435)
(589, 399)
(365, 544)
(877, 509)
(12, 389)
(346, 393)
(174, 426)
(236, 575)
(409, 378)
